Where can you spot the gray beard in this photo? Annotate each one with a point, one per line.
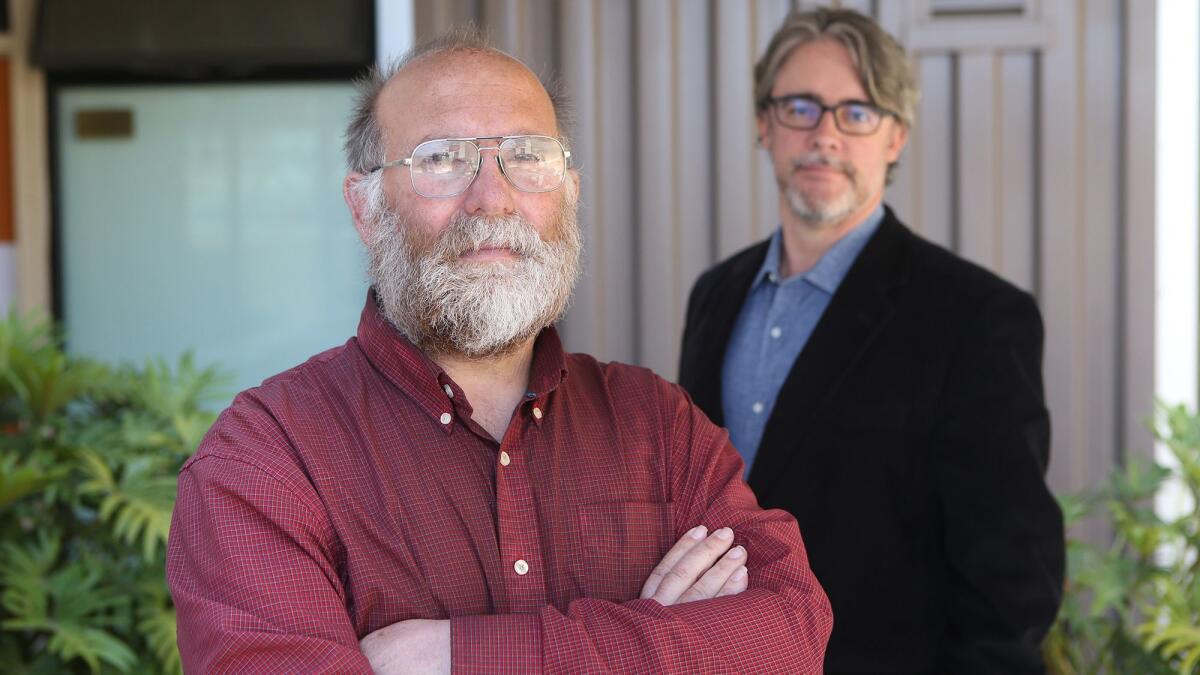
(833, 211)
(446, 305)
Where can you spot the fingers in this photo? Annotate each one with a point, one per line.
(718, 577)
(686, 543)
(692, 567)
(737, 582)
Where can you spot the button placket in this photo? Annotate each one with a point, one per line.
(517, 527)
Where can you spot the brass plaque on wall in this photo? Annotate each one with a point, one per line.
(104, 123)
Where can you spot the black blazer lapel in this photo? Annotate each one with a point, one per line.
(718, 302)
(861, 307)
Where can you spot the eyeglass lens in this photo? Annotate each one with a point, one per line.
(804, 113)
(446, 167)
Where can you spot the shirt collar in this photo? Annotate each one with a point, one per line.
(833, 266)
(415, 374)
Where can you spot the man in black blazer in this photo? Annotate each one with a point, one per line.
(884, 391)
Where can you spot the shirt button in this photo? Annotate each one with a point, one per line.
(449, 390)
(521, 567)
(757, 408)
(505, 460)
(537, 412)
(775, 333)
(445, 418)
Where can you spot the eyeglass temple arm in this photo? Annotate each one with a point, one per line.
(387, 165)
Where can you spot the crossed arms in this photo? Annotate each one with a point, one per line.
(698, 567)
(696, 613)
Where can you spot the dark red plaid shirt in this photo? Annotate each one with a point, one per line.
(355, 491)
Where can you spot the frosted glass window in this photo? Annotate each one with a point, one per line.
(212, 222)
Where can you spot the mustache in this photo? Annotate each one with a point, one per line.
(814, 159)
(467, 234)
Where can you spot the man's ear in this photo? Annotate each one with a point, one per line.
(572, 183)
(896, 141)
(354, 199)
(764, 129)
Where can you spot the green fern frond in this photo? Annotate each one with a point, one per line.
(138, 505)
(80, 594)
(91, 645)
(99, 475)
(142, 512)
(25, 570)
(1174, 640)
(158, 625)
(19, 479)
(167, 391)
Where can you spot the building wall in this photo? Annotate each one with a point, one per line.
(1032, 155)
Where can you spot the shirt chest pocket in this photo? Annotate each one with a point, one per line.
(622, 542)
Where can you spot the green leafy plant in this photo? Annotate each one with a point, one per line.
(88, 461)
(1133, 606)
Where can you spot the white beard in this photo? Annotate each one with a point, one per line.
(476, 309)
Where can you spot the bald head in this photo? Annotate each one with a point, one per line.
(462, 95)
(389, 91)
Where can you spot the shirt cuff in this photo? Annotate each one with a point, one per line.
(497, 643)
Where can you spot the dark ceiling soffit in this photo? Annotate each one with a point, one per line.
(215, 38)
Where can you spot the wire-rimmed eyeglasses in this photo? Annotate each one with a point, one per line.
(446, 167)
(854, 118)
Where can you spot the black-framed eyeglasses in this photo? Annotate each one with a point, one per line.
(446, 167)
(854, 118)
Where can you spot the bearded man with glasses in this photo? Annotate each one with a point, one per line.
(450, 489)
(884, 391)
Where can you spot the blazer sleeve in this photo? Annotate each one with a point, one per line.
(697, 300)
(1003, 529)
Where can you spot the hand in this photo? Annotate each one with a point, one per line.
(697, 568)
(413, 646)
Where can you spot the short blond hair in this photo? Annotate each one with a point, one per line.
(883, 67)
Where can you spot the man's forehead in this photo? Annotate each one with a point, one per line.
(821, 64)
(451, 95)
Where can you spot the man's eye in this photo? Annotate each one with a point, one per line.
(801, 109)
(442, 162)
(858, 114)
(527, 158)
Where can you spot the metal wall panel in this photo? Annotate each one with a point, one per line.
(1098, 236)
(978, 156)
(932, 151)
(658, 143)
(1061, 240)
(737, 160)
(596, 72)
(1016, 133)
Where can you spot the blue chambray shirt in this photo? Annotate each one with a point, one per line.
(774, 325)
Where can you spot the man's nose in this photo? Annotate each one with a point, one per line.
(826, 135)
(490, 194)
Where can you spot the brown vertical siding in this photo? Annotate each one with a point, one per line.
(6, 175)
